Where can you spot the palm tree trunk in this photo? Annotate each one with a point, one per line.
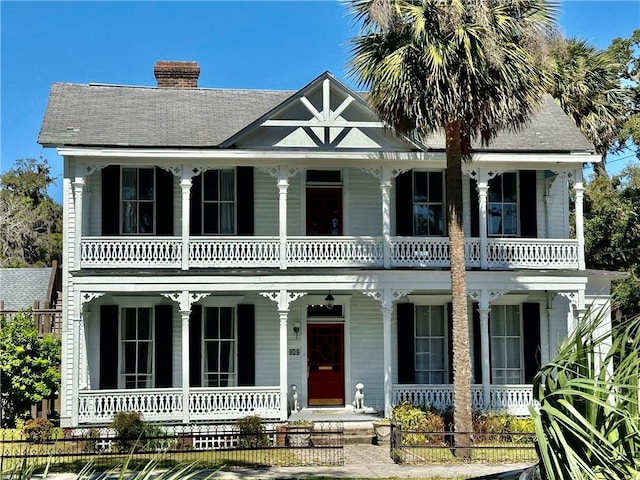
(462, 421)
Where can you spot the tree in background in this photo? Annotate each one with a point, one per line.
(612, 232)
(468, 69)
(586, 83)
(30, 221)
(28, 366)
(627, 52)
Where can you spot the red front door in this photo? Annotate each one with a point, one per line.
(325, 349)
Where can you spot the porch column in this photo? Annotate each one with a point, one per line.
(78, 191)
(283, 299)
(185, 299)
(385, 187)
(284, 364)
(386, 358)
(185, 186)
(579, 189)
(483, 188)
(486, 361)
(75, 369)
(186, 381)
(283, 186)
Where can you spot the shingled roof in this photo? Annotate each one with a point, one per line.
(149, 117)
(20, 287)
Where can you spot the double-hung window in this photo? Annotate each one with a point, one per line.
(138, 199)
(219, 202)
(506, 345)
(136, 337)
(431, 344)
(219, 338)
(502, 211)
(428, 204)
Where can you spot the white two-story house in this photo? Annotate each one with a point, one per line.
(221, 246)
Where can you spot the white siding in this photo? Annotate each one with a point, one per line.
(365, 204)
(265, 204)
(367, 350)
(558, 210)
(541, 224)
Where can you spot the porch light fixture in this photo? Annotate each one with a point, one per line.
(328, 301)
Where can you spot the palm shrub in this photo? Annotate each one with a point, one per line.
(587, 425)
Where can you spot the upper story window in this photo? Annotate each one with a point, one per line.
(431, 345)
(506, 345)
(138, 200)
(502, 211)
(428, 204)
(219, 202)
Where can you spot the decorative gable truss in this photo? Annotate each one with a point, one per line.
(325, 115)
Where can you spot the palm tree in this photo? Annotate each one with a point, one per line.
(465, 67)
(586, 83)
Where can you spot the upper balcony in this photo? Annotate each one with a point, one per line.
(340, 217)
(256, 252)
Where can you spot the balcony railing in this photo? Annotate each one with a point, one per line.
(264, 252)
(99, 406)
(513, 399)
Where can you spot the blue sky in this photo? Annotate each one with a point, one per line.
(238, 44)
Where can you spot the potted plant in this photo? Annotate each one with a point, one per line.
(382, 430)
(299, 433)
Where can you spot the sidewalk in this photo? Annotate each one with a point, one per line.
(367, 461)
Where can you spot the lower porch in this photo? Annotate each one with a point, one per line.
(202, 404)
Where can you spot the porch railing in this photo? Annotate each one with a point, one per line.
(108, 252)
(99, 406)
(513, 399)
(532, 252)
(353, 251)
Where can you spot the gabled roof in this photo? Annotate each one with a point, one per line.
(149, 117)
(20, 287)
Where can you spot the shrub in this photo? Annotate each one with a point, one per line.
(133, 433)
(252, 433)
(413, 419)
(38, 430)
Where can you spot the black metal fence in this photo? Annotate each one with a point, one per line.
(210, 446)
(417, 447)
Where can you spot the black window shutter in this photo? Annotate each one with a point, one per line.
(164, 346)
(111, 200)
(406, 343)
(531, 339)
(195, 220)
(245, 200)
(450, 339)
(528, 214)
(164, 202)
(108, 347)
(477, 346)
(246, 346)
(404, 203)
(474, 208)
(195, 346)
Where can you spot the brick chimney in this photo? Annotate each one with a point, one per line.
(176, 74)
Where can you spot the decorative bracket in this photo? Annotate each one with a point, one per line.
(86, 297)
(91, 169)
(283, 298)
(275, 172)
(386, 297)
(185, 299)
(479, 174)
(379, 172)
(485, 297)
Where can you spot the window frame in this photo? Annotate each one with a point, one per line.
(219, 202)
(233, 374)
(429, 372)
(503, 203)
(428, 203)
(137, 201)
(493, 338)
(122, 374)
